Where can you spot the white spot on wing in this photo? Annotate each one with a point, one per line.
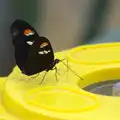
(31, 33)
(27, 34)
(41, 52)
(46, 52)
(30, 42)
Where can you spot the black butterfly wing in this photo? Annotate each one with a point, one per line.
(20, 41)
(33, 54)
(40, 56)
(21, 54)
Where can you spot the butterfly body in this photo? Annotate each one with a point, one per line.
(33, 54)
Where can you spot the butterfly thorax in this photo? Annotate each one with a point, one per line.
(51, 67)
(33, 53)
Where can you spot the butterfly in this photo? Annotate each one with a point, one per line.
(33, 53)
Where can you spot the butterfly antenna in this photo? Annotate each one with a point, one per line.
(66, 65)
(56, 72)
(70, 69)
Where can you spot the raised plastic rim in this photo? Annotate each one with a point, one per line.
(81, 92)
(74, 50)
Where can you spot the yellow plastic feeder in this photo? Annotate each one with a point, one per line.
(23, 98)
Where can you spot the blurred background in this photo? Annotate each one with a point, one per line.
(66, 23)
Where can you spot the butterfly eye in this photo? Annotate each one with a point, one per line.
(30, 42)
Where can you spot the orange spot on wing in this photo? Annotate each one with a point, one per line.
(43, 44)
(27, 31)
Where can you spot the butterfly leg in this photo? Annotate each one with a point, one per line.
(35, 76)
(56, 71)
(43, 77)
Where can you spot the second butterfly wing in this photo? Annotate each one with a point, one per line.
(40, 56)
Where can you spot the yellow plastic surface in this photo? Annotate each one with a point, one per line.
(23, 98)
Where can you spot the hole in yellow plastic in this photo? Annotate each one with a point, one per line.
(61, 99)
(99, 76)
